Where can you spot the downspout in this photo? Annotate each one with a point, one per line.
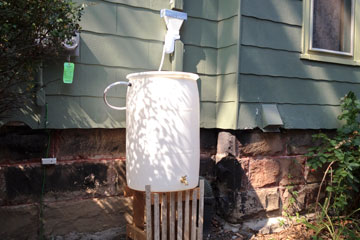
(238, 81)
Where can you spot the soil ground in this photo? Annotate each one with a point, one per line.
(217, 232)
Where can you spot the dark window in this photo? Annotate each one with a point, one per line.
(332, 22)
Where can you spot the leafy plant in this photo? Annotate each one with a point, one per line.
(333, 227)
(30, 31)
(341, 156)
(291, 207)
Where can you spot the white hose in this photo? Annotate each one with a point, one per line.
(162, 59)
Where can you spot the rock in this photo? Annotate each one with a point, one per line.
(207, 166)
(263, 225)
(89, 143)
(19, 222)
(272, 200)
(117, 233)
(260, 144)
(263, 172)
(22, 144)
(64, 181)
(226, 145)
(306, 196)
(231, 227)
(298, 142)
(90, 215)
(208, 142)
(228, 182)
(292, 170)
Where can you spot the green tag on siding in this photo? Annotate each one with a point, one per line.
(68, 75)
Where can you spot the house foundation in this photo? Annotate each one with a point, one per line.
(249, 171)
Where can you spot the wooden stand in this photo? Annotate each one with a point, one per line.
(170, 215)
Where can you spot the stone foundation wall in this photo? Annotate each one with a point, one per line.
(249, 172)
(254, 174)
(82, 193)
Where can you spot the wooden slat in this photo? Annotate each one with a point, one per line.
(135, 233)
(193, 216)
(201, 211)
(187, 215)
(179, 217)
(138, 209)
(148, 212)
(164, 217)
(183, 219)
(183, 196)
(128, 192)
(172, 216)
(156, 217)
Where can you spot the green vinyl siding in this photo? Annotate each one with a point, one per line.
(199, 32)
(261, 61)
(211, 50)
(204, 9)
(306, 91)
(271, 70)
(293, 116)
(246, 52)
(283, 11)
(267, 34)
(120, 37)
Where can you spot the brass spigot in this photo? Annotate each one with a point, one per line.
(183, 180)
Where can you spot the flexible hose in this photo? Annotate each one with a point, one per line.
(162, 58)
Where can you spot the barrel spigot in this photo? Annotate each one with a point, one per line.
(183, 180)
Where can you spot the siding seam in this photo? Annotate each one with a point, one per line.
(293, 104)
(216, 48)
(275, 49)
(151, 40)
(212, 20)
(79, 96)
(145, 69)
(120, 36)
(130, 6)
(210, 101)
(299, 78)
(273, 21)
(112, 66)
(158, 11)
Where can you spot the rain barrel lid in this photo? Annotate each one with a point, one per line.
(167, 74)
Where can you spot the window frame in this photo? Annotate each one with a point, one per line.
(324, 55)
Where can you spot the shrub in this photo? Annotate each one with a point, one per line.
(341, 156)
(30, 31)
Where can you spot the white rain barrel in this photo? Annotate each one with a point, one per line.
(162, 131)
